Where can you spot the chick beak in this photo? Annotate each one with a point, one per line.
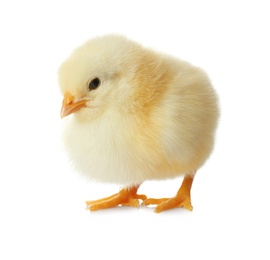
(69, 107)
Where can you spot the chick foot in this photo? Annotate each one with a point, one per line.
(125, 197)
(182, 198)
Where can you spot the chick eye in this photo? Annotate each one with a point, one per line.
(94, 83)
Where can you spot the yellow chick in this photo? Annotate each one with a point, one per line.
(137, 115)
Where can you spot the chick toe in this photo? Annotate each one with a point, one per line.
(125, 197)
(175, 202)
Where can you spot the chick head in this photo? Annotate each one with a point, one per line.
(96, 76)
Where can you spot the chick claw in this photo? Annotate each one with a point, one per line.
(125, 197)
(182, 198)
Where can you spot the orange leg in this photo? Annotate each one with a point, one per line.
(182, 198)
(125, 197)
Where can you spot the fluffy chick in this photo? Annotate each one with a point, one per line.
(137, 115)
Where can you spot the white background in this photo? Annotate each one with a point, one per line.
(42, 206)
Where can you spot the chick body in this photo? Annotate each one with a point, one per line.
(152, 117)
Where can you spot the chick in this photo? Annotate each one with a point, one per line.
(137, 115)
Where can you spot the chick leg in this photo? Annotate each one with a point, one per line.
(182, 198)
(125, 197)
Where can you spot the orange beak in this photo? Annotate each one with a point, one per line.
(69, 107)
